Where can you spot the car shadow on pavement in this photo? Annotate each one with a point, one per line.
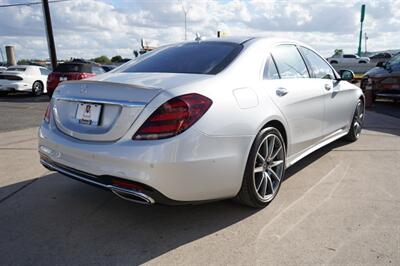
(55, 220)
(23, 97)
(309, 159)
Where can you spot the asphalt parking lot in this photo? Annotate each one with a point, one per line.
(338, 206)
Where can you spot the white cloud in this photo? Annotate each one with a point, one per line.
(89, 28)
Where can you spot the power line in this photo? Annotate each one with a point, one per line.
(32, 3)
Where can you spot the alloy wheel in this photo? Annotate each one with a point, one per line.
(268, 167)
(37, 88)
(358, 119)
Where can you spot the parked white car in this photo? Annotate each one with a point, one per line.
(200, 121)
(24, 78)
(348, 59)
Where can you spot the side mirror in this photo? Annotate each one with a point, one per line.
(380, 64)
(346, 75)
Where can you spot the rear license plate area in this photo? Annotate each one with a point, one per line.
(88, 113)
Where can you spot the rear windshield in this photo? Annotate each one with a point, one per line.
(74, 67)
(20, 69)
(194, 58)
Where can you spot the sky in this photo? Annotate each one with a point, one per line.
(90, 28)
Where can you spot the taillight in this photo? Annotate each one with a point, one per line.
(174, 117)
(47, 114)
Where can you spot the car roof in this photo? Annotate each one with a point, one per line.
(253, 39)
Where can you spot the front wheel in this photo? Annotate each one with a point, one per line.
(37, 88)
(357, 122)
(265, 169)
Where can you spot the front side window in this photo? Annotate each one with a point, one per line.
(289, 62)
(319, 67)
(270, 71)
(193, 58)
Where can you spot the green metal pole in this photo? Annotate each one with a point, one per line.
(359, 40)
(361, 29)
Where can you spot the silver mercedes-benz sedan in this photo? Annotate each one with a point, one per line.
(200, 121)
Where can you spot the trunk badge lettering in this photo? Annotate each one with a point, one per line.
(84, 89)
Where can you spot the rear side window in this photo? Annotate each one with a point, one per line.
(319, 67)
(270, 71)
(74, 67)
(44, 71)
(289, 62)
(349, 56)
(97, 70)
(194, 58)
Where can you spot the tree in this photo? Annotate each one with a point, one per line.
(102, 60)
(23, 62)
(116, 59)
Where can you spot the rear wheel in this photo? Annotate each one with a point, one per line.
(265, 169)
(37, 88)
(334, 62)
(357, 122)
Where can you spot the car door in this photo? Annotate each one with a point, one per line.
(297, 97)
(337, 96)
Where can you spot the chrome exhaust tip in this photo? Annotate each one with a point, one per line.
(132, 195)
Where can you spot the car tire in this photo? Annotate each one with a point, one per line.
(334, 62)
(37, 88)
(362, 62)
(265, 169)
(356, 122)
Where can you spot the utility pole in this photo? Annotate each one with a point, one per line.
(366, 39)
(49, 33)
(185, 11)
(361, 29)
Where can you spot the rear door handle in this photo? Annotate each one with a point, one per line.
(281, 92)
(328, 87)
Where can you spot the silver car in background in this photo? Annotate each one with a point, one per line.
(200, 121)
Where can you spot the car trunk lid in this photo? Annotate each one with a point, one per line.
(119, 105)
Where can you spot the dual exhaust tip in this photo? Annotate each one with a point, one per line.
(124, 189)
(132, 195)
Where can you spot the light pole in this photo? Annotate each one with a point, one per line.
(366, 39)
(185, 11)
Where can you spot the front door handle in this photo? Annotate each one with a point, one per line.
(281, 92)
(328, 87)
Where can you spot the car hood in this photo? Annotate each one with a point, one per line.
(377, 72)
(153, 80)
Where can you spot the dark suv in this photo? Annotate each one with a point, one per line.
(384, 79)
(76, 69)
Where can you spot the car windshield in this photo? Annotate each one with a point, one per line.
(194, 58)
(19, 69)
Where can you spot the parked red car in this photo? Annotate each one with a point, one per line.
(73, 70)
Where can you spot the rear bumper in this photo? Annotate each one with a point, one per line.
(191, 167)
(15, 86)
